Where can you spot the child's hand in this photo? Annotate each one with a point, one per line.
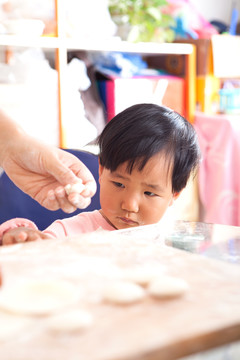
(22, 234)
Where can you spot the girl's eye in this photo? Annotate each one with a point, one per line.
(117, 184)
(149, 193)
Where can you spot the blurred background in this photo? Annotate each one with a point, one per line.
(66, 68)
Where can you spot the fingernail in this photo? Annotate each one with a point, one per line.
(71, 209)
(81, 204)
(78, 204)
(60, 192)
(86, 193)
(51, 195)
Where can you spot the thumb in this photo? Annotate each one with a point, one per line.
(62, 173)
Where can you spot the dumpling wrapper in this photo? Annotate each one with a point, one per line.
(38, 297)
(72, 321)
(123, 292)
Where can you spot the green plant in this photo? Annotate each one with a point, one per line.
(145, 19)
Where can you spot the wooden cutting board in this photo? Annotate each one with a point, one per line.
(206, 317)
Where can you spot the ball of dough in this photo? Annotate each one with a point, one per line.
(167, 287)
(76, 320)
(123, 292)
(75, 188)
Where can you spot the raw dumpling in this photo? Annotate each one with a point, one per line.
(167, 286)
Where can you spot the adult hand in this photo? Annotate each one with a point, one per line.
(42, 171)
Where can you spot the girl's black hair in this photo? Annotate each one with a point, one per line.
(143, 130)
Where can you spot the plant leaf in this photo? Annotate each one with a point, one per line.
(154, 13)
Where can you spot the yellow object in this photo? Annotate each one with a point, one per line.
(207, 93)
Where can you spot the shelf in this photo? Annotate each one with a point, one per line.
(113, 44)
(25, 41)
(123, 46)
(61, 44)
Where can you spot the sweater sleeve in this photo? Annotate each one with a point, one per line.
(56, 229)
(78, 224)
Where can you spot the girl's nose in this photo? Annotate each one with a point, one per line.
(130, 203)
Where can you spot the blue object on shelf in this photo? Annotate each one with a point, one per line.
(230, 101)
(234, 20)
(182, 30)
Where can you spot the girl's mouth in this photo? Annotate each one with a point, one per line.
(128, 221)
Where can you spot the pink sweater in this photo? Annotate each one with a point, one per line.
(79, 224)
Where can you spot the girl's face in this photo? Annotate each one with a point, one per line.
(136, 199)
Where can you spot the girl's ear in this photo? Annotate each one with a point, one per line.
(100, 169)
(175, 196)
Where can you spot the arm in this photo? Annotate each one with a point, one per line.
(19, 230)
(22, 234)
(42, 171)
